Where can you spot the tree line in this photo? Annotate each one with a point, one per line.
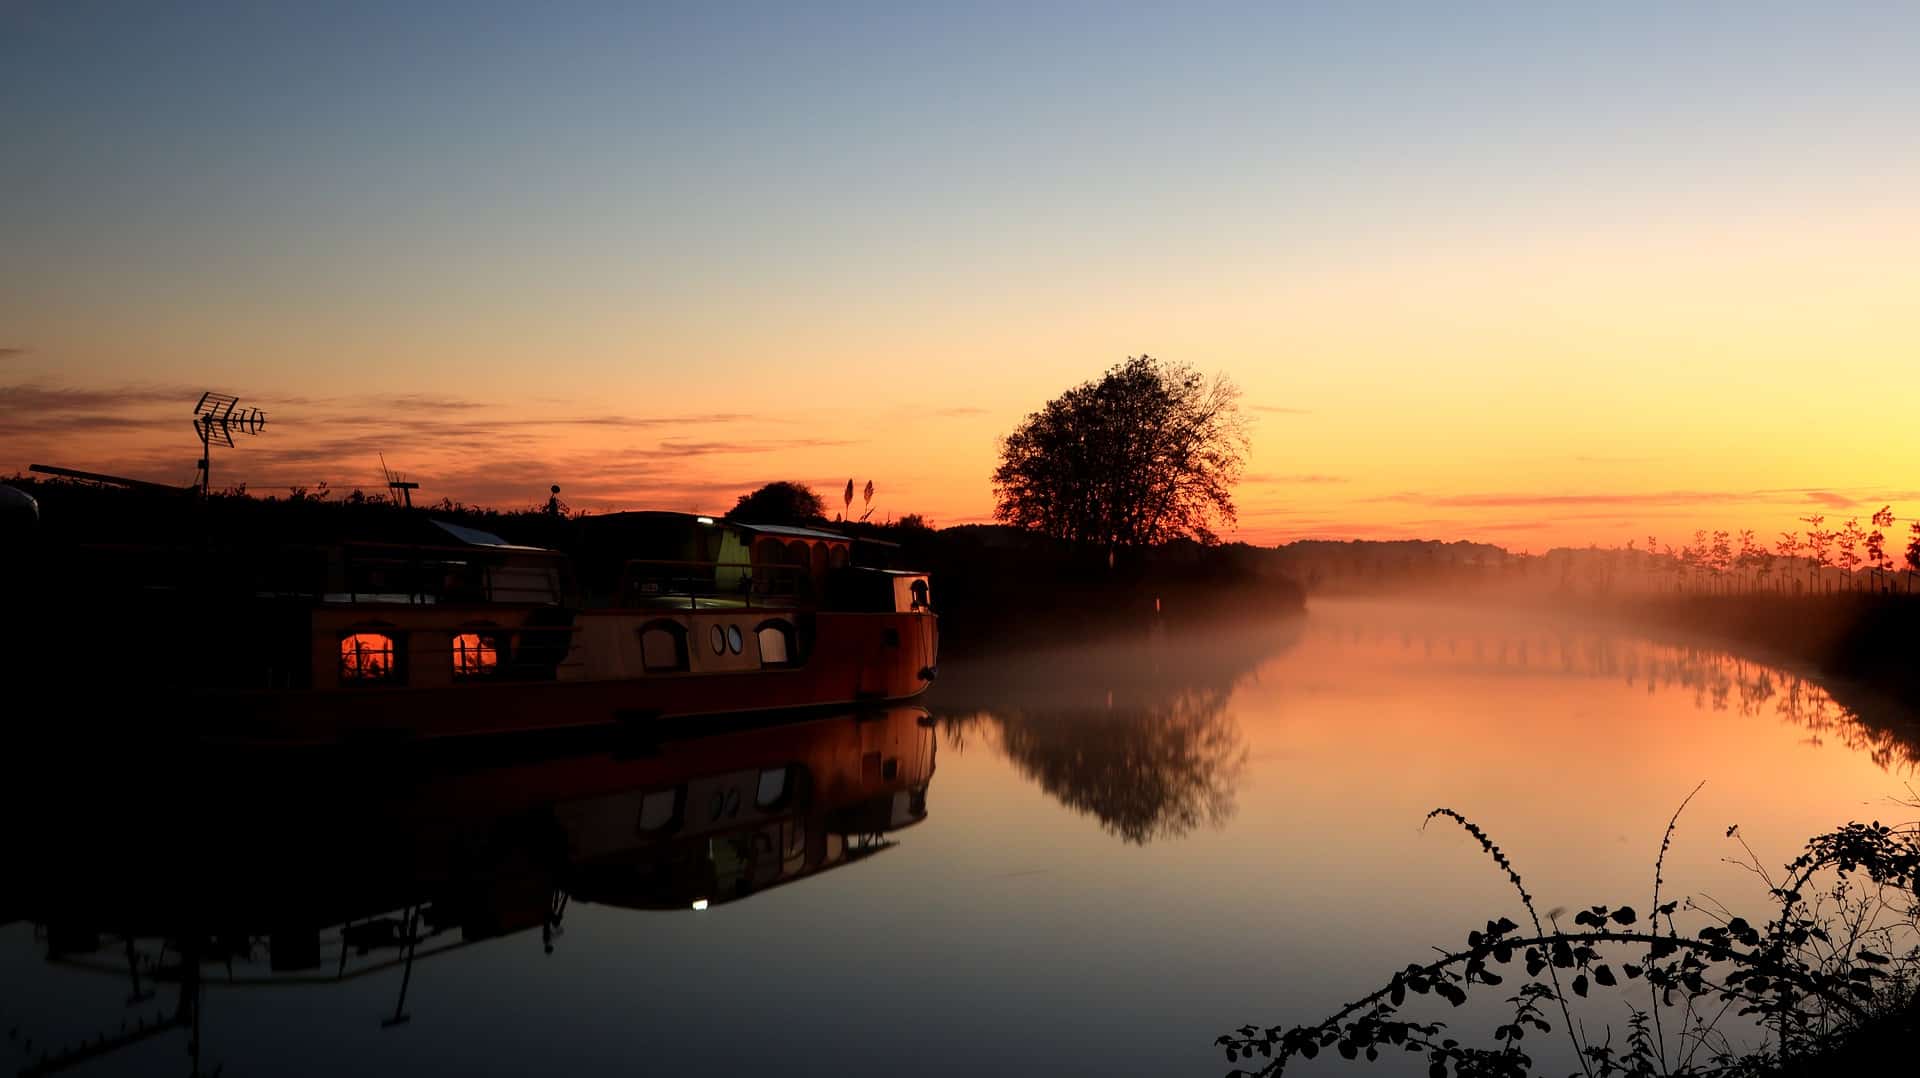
(1721, 560)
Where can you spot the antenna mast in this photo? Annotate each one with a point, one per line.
(215, 419)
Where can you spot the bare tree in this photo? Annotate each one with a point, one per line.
(1148, 453)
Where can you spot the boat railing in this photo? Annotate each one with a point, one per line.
(714, 585)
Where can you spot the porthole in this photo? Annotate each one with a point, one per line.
(719, 638)
(735, 641)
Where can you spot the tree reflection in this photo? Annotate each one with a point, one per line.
(1714, 679)
(1144, 773)
(1135, 733)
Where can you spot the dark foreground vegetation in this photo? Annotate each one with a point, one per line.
(1824, 983)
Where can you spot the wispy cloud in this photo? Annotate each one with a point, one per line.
(1831, 500)
(1306, 479)
(11, 352)
(782, 445)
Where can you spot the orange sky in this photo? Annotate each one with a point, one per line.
(1593, 286)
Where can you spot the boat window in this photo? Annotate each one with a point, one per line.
(475, 654)
(367, 658)
(776, 643)
(773, 788)
(658, 809)
(718, 638)
(734, 640)
(663, 646)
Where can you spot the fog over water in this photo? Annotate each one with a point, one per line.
(1123, 850)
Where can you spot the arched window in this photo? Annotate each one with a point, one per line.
(368, 657)
(777, 644)
(663, 646)
(476, 654)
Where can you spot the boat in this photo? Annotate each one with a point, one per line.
(424, 628)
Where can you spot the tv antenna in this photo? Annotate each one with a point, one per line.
(399, 489)
(215, 419)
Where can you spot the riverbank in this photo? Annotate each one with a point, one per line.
(1872, 639)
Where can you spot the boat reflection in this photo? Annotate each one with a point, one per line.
(332, 868)
(1134, 731)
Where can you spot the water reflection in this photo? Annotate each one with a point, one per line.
(1458, 643)
(1135, 732)
(333, 869)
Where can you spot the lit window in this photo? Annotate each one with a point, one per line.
(366, 657)
(474, 655)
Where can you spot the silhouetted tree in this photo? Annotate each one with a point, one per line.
(1722, 553)
(1850, 538)
(1913, 553)
(1877, 554)
(778, 503)
(1816, 544)
(1789, 548)
(1146, 454)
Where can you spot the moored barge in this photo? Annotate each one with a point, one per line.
(434, 629)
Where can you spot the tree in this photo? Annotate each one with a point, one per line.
(1752, 557)
(1850, 539)
(778, 503)
(1816, 544)
(1882, 562)
(1788, 546)
(1147, 454)
(1913, 553)
(1722, 557)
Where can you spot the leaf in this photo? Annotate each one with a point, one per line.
(1580, 985)
(1625, 915)
(1604, 975)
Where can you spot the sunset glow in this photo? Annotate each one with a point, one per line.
(1483, 277)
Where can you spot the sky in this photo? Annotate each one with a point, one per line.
(1532, 274)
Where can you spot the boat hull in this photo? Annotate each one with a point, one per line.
(858, 659)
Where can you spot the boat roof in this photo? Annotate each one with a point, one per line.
(791, 532)
(476, 537)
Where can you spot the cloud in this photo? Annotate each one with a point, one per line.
(1831, 500)
(41, 397)
(1311, 478)
(11, 353)
(1524, 500)
(785, 445)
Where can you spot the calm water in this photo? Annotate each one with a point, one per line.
(1080, 862)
